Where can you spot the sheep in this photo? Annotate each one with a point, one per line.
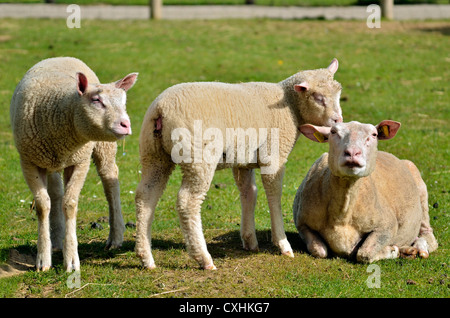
(358, 202)
(240, 112)
(61, 115)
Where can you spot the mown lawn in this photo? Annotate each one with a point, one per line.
(398, 72)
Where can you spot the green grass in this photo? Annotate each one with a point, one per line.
(398, 72)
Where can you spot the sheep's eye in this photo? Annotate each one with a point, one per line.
(97, 101)
(319, 98)
(333, 132)
(374, 135)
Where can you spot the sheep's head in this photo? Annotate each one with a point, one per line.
(103, 112)
(319, 94)
(353, 146)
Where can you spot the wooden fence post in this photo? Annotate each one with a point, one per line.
(156, 9)
(387, 9)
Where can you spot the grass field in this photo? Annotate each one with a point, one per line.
(398, 72)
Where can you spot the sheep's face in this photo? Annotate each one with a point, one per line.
(104, 115)
(319, 94)
(353, 146)
(353, 149)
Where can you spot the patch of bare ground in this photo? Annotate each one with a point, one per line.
(17, 264)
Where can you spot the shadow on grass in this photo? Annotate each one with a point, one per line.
(228, 245)
(444, 30)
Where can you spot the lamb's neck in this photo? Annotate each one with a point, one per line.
(291, 100)
(344, 192)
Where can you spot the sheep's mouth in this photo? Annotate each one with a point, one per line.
(121, 132)
(352, 164)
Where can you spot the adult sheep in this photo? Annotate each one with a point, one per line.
(61, 116)
(358, 202)
(172, 133)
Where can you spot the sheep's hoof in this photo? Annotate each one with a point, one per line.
(423, 254)
(408, 252)
(210, 267)
(150, 267)
(43, 269)
(288, 253)
(111, 245)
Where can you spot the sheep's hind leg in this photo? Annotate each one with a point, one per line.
(422, 247)
(426, 242)
(273, 185)
(195, 184)
(57, 226)
(245, 181)
(419, 247)
(155, 175)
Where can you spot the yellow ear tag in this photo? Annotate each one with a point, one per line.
(385, 130)
(319, 136)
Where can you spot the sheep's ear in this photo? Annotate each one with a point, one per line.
(127, 82)
(302, 87)
(387, 129)
(333, 67)
(315, 133)
(82, 83)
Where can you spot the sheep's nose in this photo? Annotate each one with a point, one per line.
(352, 152)
(125, 123)
(339, 120)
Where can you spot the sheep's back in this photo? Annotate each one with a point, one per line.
(41, 109)
(220, 105)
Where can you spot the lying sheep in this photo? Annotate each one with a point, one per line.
(252, 109)
(61, 116)
(358, 201)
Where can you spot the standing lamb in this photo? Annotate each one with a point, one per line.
(358, 201)
(236, 111)
(61, 116)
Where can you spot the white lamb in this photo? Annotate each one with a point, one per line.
(61, 116)
(359, 202)
(244, 113)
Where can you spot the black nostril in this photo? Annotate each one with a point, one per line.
(125, 123)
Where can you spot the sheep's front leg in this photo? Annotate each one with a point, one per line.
(104, 156)
(245, 181)
(314, 243)
(375, 247)
(74, 177)
(36, 179)
(273, 185)
(57, 227)
(195, 184)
